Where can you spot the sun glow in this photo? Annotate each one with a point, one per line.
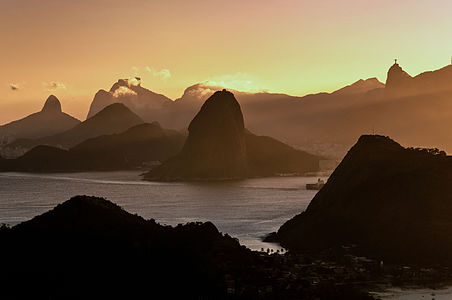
(238, 82)
(295, 47)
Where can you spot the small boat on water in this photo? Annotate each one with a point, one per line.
(315, 186)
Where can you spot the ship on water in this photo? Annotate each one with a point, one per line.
(315, 186)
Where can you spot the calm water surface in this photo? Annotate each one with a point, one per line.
(247, 209)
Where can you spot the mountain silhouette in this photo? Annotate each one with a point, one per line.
(50, 120)
(361, 86)
(52, 105)
(215, 147)
(87, 245)
(390, 201)
(426, 83)
(132, 149)
(397, 77)
(277, 115)
(114, 118)
(141, 101)
(267, 156)
(219, 147)
(413, 109)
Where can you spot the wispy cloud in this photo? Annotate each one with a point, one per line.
(135, 70)
(240, 82)
(135, 81)
(123, 91)
(53, 86)
(164, 74)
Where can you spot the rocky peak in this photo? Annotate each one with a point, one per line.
(215, 147)
(52, 105)
(216, 135)
(128, 83)
(397, 77)
(220, 112)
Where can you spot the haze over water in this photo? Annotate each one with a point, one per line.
(247, 209)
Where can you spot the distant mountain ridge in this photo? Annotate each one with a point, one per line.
(134, 148)
(424, 83)
(114, 118)
(219, 147)
(129, 92)
(50, 120)
(361, 86)
(413, 109)
(261, 109)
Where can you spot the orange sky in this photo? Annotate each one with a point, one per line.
(74, 48)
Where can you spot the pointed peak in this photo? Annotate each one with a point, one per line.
(52, 105)
(219, 107)
(396, 76)
(115, 108)
(117, 111)
(395, 67)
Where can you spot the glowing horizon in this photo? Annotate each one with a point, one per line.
(74, 48)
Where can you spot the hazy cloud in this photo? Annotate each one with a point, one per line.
(123, 91)
(200, 91)
(135, 81)
(163, 73)
(240, 82)
(135, 70)
(54, 85)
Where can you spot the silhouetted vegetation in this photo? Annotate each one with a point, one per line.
(88, 247)
(433, 151)
(394, 203)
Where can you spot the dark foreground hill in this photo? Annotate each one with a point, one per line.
(89, 248)
(136, 147)
(219, 147)
(393, 202)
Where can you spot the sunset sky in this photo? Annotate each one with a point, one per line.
(74, 48)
